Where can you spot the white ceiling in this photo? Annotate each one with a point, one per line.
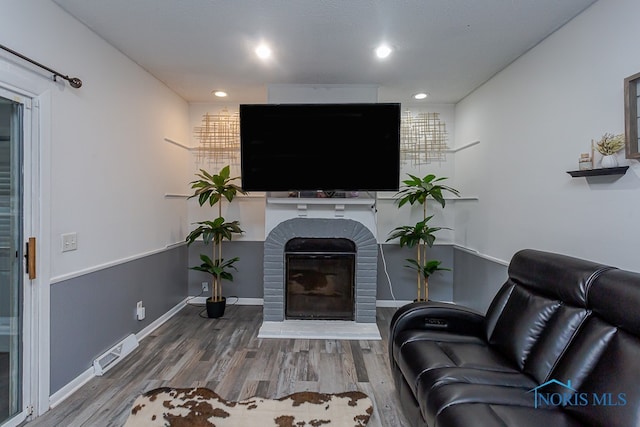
(444, 47)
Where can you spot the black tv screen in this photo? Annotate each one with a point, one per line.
(330, 147)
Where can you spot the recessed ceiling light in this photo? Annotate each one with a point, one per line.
(220, 93)
(383, 51)
(263, 51)
(420, 95)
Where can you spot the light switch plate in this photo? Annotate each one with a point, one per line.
(69, 242)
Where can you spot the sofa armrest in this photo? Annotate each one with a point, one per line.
(437, 316)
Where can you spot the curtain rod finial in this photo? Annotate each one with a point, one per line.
(75, 82)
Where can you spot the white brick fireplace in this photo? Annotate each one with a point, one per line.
(325, 218)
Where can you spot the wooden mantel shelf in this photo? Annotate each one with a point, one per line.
(620, 170)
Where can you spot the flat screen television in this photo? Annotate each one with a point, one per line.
(327, 147)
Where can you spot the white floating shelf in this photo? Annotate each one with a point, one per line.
(462, 147)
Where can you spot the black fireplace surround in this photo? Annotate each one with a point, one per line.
(320, 278)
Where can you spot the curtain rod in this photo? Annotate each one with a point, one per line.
(73, 81)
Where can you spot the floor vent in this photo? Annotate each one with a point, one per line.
(106, 361)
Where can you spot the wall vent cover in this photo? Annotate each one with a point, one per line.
(112, 356)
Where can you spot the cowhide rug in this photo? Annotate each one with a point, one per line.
(195, 407)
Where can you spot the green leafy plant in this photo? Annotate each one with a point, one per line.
(421, 236)
(217, 268)
(214, 231)
(414, 235)
(417, 190)
(212, 189)
(427, 269)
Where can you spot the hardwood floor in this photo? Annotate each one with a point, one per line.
(225, 355)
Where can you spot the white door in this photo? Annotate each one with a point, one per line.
(15, 295)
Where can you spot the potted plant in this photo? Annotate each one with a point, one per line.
(608, 146)
(212, 189)
(421, 235)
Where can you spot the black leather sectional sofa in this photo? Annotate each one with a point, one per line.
(558, 346)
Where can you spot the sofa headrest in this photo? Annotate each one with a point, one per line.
(615, 298)
(554, 275)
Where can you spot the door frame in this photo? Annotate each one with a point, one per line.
(36, 223)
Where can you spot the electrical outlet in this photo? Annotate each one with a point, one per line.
(205, 286)
(140, 311)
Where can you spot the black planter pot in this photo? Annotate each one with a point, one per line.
(215, 309)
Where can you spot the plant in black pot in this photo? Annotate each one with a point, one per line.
(421, 235)
(212, 189)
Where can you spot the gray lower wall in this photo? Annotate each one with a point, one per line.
(247, 281)
(403, 279)
(93, 312)
(476, 280)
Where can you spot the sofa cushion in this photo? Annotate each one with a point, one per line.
(582, 355)
(432, 379)
(497, 305)
(560, 330)
(455, 394)
(484, 414)
(417, 357)
(521, 323)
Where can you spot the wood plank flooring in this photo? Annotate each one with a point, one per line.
(225, 355)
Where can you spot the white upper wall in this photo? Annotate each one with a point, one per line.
(533, 120)
(109, 164)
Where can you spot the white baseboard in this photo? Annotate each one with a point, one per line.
(391, 303)
(59, 396)
(230, 301)
(160, 320)
(260, 301)
(399, 303)
(71, 387)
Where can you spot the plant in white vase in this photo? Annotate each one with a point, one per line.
(608, 146)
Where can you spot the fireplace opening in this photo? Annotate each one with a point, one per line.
(320, 278)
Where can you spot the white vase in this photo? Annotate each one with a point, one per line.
(610, 161)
